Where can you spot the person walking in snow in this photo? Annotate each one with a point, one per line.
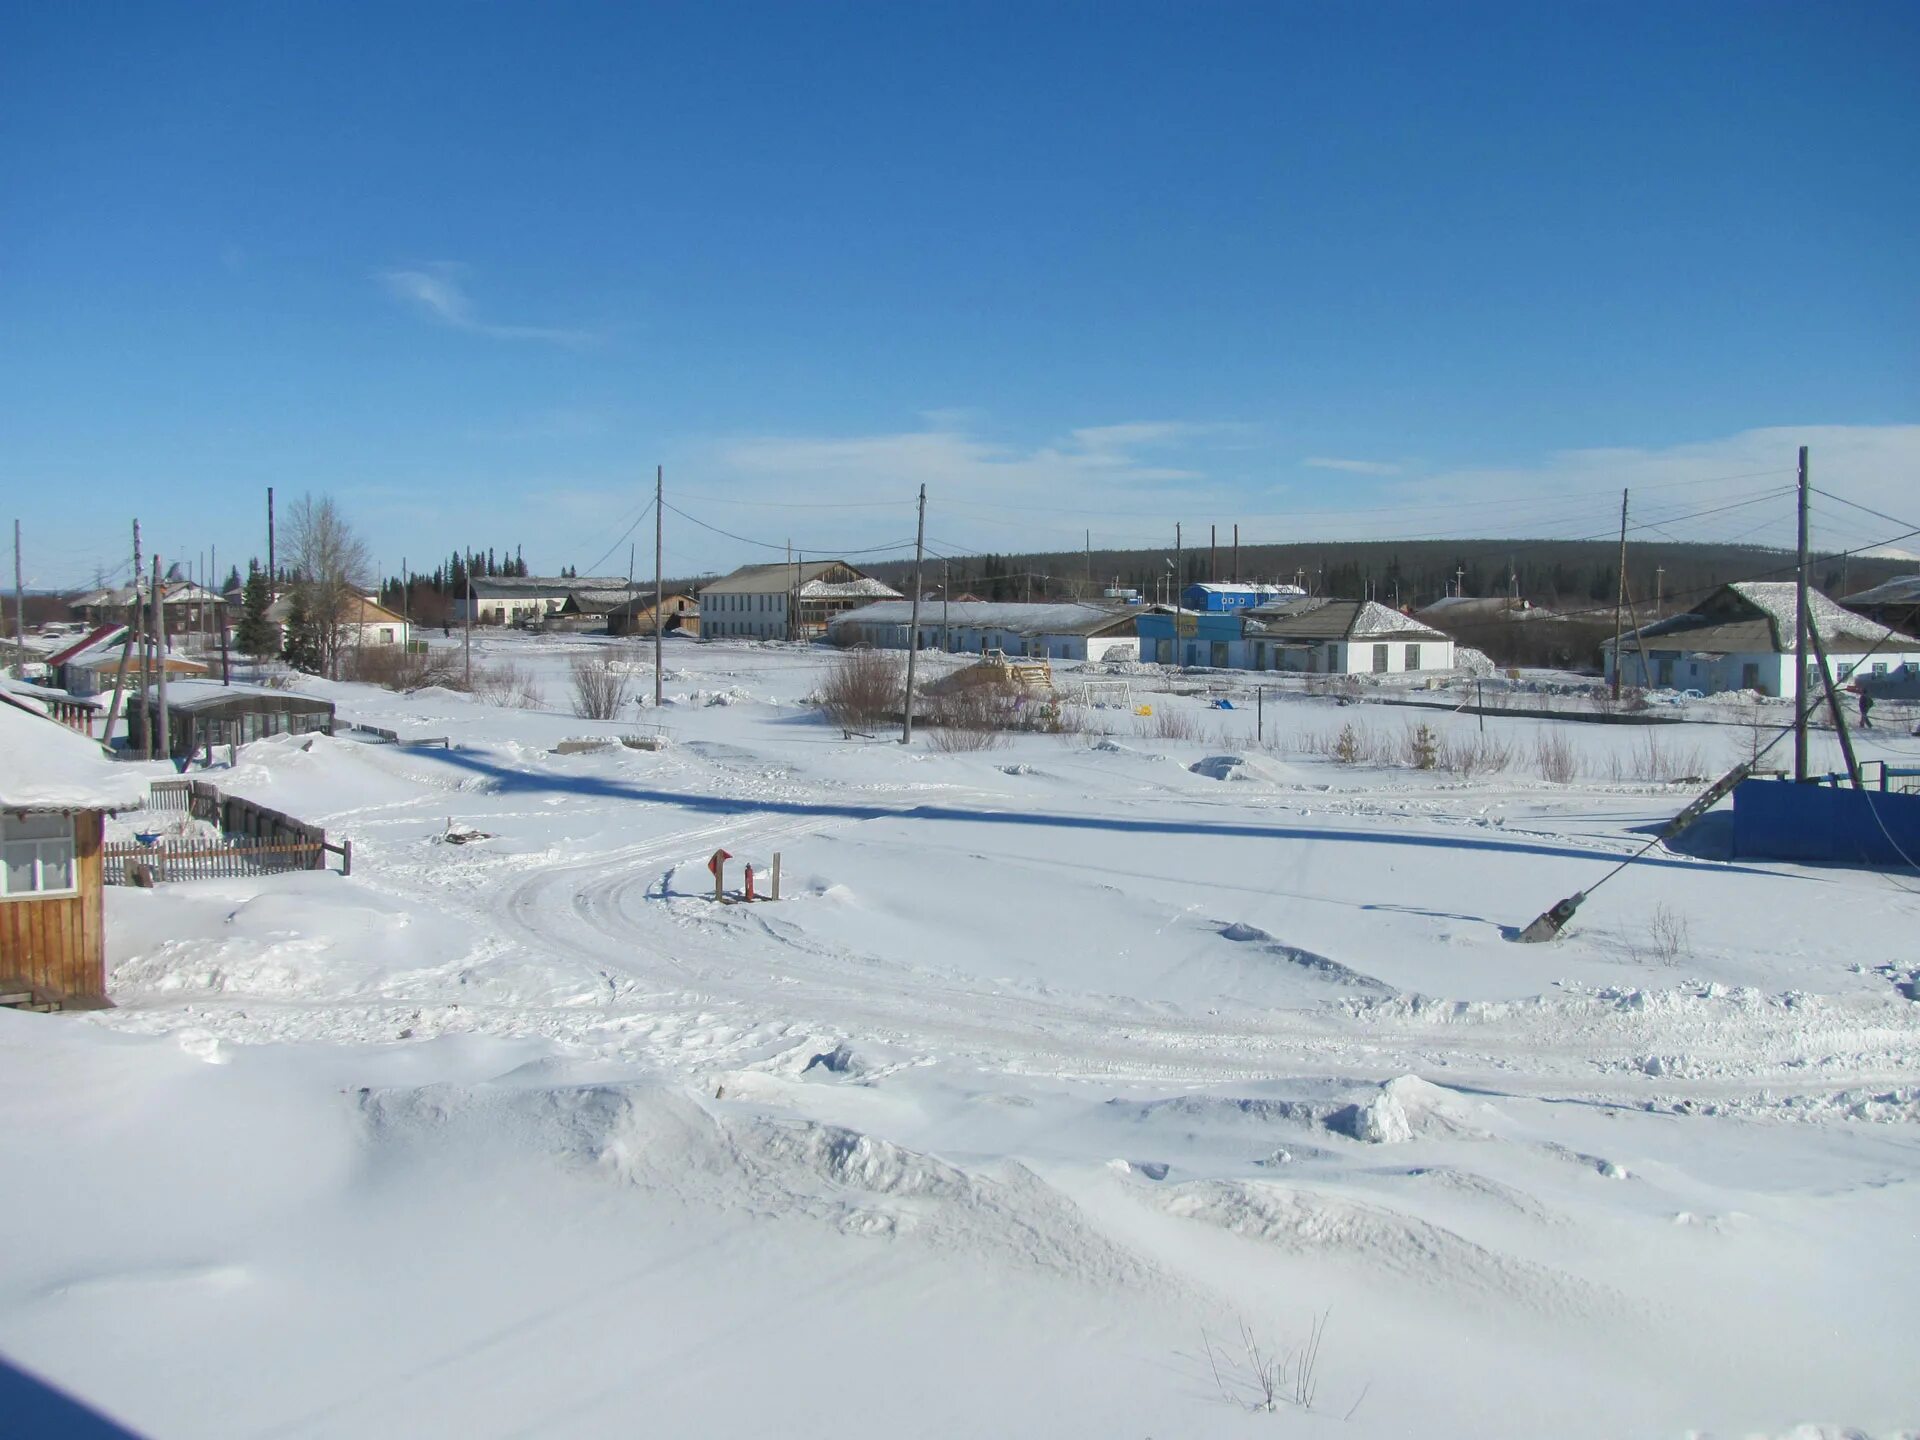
(1866, 708)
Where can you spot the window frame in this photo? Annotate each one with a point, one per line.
(11, 843)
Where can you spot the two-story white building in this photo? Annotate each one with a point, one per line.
(785, 602)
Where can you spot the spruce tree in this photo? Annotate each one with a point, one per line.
(302, 650)
(255, 634)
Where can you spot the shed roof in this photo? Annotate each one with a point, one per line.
(1049, 618)
(99, 635)
(210, 694)
(50, 768)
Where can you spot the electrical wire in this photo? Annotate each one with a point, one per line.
(645, 511)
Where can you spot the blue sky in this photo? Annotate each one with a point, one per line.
(1321, 269)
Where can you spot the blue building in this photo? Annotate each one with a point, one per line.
(1192, 637)
(1214, 599)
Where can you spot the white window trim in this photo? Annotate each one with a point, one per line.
(73, 863)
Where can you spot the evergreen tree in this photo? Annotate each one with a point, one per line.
(233, 581)
(303, 649)
(255, 634)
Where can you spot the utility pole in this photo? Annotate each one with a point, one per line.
(1179, 574)
(1236, 552)
(1800, 636)
(126, 649)
(143, 623)
(273, 574)
(466, 632)
(913, 623)
(1659, 576)
(946, 592)
(19, 608)
(1089, 564)
(160, 628)
(659, 551)
(1620, 598)
(1213, 554)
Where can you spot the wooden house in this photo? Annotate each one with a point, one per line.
(679, 615)
(56, 791)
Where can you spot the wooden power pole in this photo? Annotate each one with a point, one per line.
(913, 622)
(1800, 635)
(1620, 598)
(659, 550)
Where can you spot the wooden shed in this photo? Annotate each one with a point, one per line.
(204, 712)
(56, 791)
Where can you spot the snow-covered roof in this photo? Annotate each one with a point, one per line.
(49, 767)
(1757, 617)
(1039, 618)
(866, 586)
(1243, 587)
(779, 579)
(1335, 620)
(1901, 590)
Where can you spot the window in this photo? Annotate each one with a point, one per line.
(36, 855)
(1413, 657)
(1380, 659)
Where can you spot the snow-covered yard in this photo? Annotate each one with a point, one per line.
(1060, 1069)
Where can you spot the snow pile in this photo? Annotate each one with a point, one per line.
(49, 767)
(1474, 662)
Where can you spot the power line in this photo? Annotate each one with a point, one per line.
(645, 511)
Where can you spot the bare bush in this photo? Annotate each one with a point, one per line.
(1263, 1377)
(1477, 754)
(599, 687)
(1669, 937)
(1555, 758)
(1652, 760)
(864, 688)
(514, 686)
(1171, 724)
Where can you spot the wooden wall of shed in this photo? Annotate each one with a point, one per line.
(57, 945)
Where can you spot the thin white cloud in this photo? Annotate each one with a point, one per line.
(1352, 467)
(435, 292)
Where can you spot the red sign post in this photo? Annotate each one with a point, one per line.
(718, 866)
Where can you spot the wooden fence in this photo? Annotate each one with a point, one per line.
(253, 840)
(137, 864)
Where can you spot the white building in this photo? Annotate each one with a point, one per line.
(1741, 638)
(528, 599)
(784, 602)
(1342, 637)
(1058, 631)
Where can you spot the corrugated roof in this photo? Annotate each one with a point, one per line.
(774, 579)
(500, 587)
(1043, 618)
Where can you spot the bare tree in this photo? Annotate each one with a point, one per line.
(331, 568)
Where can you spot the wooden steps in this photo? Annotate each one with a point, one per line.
(17, 996)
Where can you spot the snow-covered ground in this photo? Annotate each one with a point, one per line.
(1059, 1070)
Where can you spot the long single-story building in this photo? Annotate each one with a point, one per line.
(527, 599)
(1741, 637)
(785, 602)
(1313, 636)
(1213, 597)
(56, 791)
(1059, 631)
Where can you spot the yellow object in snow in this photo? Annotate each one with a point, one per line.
(1143, 709)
